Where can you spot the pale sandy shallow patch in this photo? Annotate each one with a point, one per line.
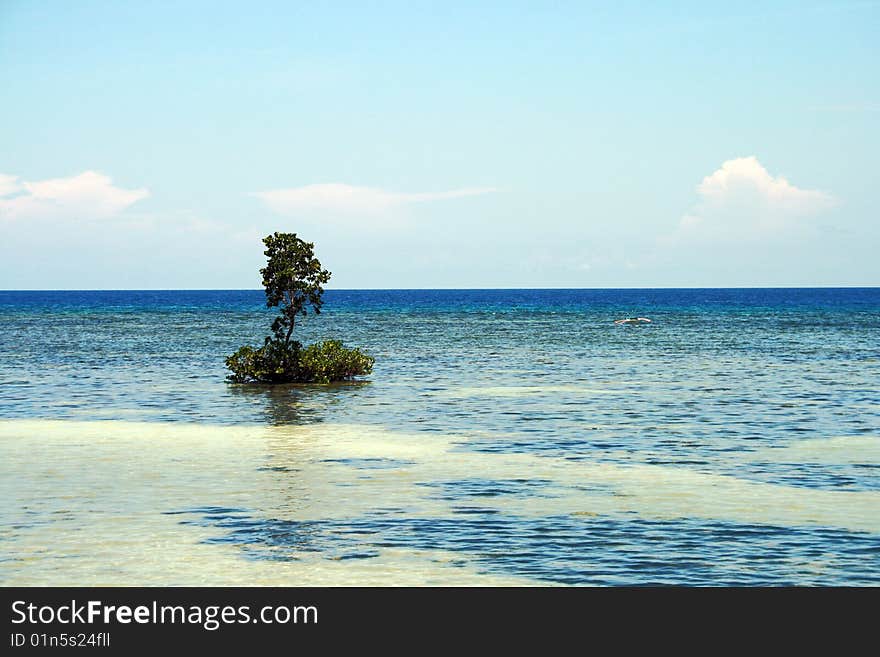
(90, 502)
(836, 450)
(86, 503)
(654, 491)
(525, 391)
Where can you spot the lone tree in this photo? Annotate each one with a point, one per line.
(293, 279)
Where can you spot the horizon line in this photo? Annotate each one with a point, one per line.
(453, 289)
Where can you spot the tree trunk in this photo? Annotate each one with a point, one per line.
(292, 318)
(289, 331)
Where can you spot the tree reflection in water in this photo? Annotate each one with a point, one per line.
(298, 404)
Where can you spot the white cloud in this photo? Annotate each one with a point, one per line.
(746, 176)
(349, 199)
(8, 184)
(742, 200)
(88, 195)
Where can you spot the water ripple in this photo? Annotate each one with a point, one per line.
(581, 550)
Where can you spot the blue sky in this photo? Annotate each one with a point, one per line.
(693, 144)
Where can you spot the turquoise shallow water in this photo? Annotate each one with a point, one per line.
(504, 437)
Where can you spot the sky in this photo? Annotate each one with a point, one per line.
(151, 145)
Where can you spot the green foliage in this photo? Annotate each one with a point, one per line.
(293, 279)
(276, 362)
(328, 361)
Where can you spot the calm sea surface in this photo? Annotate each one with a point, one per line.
(504, 437)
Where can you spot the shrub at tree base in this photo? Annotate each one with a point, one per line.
(328, 361)
(275, 362)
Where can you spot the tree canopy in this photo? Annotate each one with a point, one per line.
(293, 279)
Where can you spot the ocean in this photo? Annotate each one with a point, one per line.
(514, 437)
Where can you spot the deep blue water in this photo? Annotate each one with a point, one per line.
(855, 298)
(717, 382)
